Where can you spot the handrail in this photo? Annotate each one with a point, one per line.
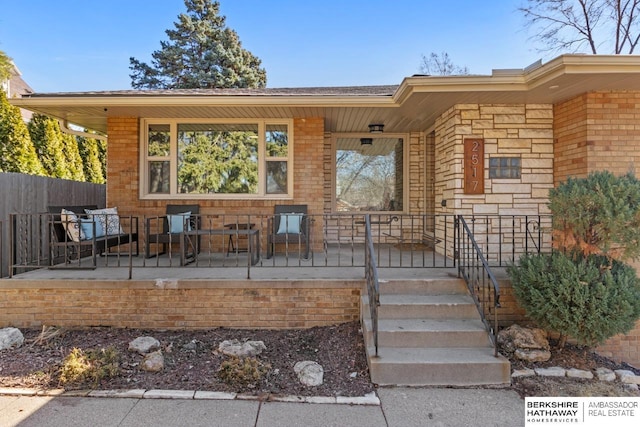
(471, 263)
(371, 277)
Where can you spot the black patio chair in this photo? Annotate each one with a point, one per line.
(290, 225)
(172, 231)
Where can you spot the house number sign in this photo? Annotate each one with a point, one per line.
(474, 166)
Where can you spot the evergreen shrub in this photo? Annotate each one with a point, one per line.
(589, 298)
(584, 289)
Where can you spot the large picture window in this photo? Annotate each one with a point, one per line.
(215, 159)
(369, 174)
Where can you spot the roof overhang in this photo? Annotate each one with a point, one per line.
(412, 106)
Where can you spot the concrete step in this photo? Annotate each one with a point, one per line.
(430, 333)
(427, 307)
(444, 286)
(438, 366)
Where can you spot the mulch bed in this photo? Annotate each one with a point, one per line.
(192, 362)
(339, 349)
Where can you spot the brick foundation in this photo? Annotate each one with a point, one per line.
(180, 304)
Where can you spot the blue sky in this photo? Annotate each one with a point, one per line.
(81, 45)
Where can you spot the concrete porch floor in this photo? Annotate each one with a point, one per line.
(345, 264)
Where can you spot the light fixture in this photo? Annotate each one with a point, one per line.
(376, 128)
(366, 141)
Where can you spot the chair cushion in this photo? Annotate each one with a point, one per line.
(106, 219)
(177, 222)
(290, 223)
(71, 224)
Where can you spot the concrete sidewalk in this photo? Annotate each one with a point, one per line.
(399, 407)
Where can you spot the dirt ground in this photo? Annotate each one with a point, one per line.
(192, 362)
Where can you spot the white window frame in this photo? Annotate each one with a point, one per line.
(173, 160)
(405, 167)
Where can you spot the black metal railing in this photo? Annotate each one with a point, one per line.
(49, 240)
(371, 278)
(250, 241)
(482, 284)
(504, 238)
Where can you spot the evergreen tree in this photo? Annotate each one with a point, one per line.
(5, 67)
(17, 153)
(75, 165)
(90, 153)
(47, 139)
(202, 54)
(219, 162)
(102, 155)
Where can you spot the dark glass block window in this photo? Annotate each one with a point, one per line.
(505, 167)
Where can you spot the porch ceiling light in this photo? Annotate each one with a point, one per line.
(376, 128)
(366, 141)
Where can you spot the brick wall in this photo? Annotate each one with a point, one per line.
(570, 133)
(623, 347)
(174, 305)
(600, 131)
(597, 131)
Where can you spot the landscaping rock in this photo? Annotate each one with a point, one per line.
(627, 377)
(236, 348)
(153, 362)
(605, 374)
(532, 355)
(144, 345)
(309, 373)
(10, 337)
(579, 373)
(630, 387)
(516, 337)
(523, 373)
(551, 372)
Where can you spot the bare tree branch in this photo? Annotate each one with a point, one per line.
(569, 25)
(441, 65)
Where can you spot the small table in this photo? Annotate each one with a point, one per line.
(231, 247)
(253, 241)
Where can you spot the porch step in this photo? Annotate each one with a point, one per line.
(452, 366)
(430, 333)
(427, 307)
(449, 286)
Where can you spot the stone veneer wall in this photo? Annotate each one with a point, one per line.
(524, 131)
(123, 175)
(601, 131)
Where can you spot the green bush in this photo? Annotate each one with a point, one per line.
(587, 297)
(599, 214)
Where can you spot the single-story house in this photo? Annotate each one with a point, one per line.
(459, 145)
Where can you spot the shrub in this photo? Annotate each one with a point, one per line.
(589, 298)
(93, 366)
(242, 372)
(599, 214)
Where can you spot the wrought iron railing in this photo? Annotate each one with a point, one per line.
(504, 238)
(482, 284)
(371, 278)
(250, 241)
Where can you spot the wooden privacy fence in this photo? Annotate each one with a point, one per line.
(28, 193)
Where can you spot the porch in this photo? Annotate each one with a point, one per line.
(349, 256)
(417, 305)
